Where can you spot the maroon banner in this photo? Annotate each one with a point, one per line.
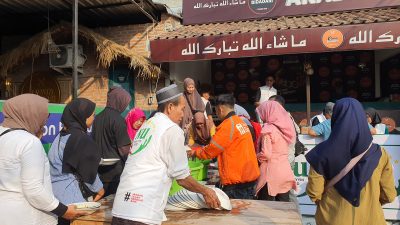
(340, 38)
(207, 11)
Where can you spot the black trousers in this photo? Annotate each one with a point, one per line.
(240, 191)
(120, 221)
(263, 195)
(110, 188)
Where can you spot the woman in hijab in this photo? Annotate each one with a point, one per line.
(110, 133)
(74, 157)
(276, 178)
(374, 119)
(200, 132)
(194, 104)
(25, 187)
(350, 177)
(134, 120)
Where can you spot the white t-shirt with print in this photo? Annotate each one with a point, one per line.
(157, 157)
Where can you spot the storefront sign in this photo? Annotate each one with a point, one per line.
(355, 37)
(391, 143)
(207, 11)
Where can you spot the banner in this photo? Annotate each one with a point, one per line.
(327, 39)
(391, 143)
(210, 11)
(53, 125)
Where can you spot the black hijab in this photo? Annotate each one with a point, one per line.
(376, 118)
(81, 154)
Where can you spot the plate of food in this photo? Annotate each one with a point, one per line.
(90, 206)
(108, 162)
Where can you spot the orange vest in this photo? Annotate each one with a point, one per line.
(234, 147)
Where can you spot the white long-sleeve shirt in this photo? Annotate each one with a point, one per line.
(26, 196)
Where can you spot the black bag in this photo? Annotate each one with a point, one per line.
(299, 148)
(86, 192)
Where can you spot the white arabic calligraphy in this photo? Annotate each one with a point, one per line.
(215, 4)
(362, 38)
(385, 37)
(255, 43)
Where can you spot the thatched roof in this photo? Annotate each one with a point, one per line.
(107, 50)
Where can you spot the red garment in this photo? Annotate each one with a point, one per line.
(257, 131)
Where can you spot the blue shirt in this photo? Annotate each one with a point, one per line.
(65, 186)
(323, 129)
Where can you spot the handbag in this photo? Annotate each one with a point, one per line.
(85, 190)
(299, 147)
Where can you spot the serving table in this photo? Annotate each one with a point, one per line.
(244, 212)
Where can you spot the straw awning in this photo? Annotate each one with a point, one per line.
(107, 51)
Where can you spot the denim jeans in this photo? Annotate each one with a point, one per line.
(235, 192)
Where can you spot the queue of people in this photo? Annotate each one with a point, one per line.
(254, 161)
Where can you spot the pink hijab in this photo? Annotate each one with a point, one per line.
(273, 114)
(134, 115)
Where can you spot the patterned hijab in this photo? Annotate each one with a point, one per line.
(26, 111)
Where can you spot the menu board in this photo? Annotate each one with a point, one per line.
(336, 75)
(390, 77)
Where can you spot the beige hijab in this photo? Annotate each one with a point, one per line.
(26, 111)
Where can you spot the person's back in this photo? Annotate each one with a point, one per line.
(16, 149)
(238, 162)
(350, 177)
(141, 193)
(109, 132)
(378, 190)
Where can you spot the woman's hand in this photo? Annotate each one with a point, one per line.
(99, 195)
(72, 213)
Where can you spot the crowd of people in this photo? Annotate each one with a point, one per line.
(349, 176)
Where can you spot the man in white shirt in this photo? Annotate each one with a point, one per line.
(267, 91)
(157, 157)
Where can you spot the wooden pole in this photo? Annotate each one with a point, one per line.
(75, 49)
(308, 94)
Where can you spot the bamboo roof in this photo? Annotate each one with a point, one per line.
(107, 51)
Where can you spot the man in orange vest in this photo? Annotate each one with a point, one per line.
(233, 145)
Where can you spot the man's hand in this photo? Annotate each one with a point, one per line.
(209, 195)
(211, 198)
(72, 213)
(99, 195)
(193, 150)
